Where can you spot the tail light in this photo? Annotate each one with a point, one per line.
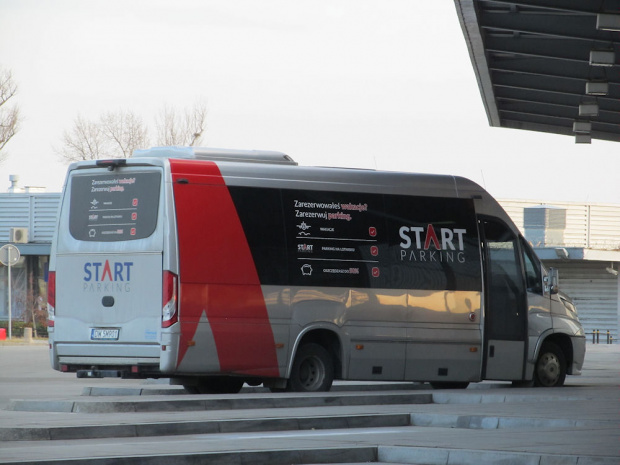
(51, 298)
(170, 294)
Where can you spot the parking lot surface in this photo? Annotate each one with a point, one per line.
(48, 416)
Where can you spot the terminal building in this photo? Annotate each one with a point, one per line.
(28, 221)
(581, 240)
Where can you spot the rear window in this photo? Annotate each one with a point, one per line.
(114, 207)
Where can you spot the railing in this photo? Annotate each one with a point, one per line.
(596, 337)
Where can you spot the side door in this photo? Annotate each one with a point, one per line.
(505, 296)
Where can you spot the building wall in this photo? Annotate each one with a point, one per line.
(591, 226)
(595, 291)
(37, 212)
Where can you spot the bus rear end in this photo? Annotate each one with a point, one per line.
(107, 279)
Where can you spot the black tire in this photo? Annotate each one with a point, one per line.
(449, 384)
(550, 369)
(313, 370)
(253, 382)
(216, 385)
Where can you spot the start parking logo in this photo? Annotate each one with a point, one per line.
(431, 244)
(107, 276)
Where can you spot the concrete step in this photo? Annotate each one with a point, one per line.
(327, 455)
(161, 388)
(225, 402)
(39, 433)
(445, 456)
(496, 422)
(296, 453)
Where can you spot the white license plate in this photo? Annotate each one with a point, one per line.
(103, 334)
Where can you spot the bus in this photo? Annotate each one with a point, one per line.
(219, 267)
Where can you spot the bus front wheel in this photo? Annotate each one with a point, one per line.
(313, 369)
(550, 369)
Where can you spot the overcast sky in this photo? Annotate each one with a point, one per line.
(382, 84)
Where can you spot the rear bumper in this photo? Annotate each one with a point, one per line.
(133, 372)
(97, 360)
(99, 350)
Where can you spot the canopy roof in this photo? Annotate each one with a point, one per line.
(535, 67)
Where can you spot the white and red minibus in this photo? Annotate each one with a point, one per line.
(217, 268)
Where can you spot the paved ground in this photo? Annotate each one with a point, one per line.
(487, 423)
(25, 373)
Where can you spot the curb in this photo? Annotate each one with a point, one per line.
(203, 427)
(272, 457)
(233, 401)
(428, 456)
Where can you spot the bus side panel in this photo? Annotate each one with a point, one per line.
(379, 272)
(445, 336)
(278, 302)
(416, 335)
(218, 278)
(194, 320)
(376, 327)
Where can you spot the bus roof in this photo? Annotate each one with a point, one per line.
(258, 168)
(215, 154)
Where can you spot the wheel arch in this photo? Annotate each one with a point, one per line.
(563, 341)
(326, 337)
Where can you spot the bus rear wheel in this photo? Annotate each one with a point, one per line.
(313, 370)
(550, 369)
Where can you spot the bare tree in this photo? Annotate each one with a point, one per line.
(126, 131)
(181, 128)
(9, 114)
(117, 135)
(86, 141)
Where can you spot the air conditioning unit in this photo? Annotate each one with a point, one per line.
(18, 235)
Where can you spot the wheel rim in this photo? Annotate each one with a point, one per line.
(311, 373)
(549, 369)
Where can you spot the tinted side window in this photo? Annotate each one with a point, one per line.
(260, 213)
(114, 207)
(355, 239)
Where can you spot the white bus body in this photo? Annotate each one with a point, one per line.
(219, 267)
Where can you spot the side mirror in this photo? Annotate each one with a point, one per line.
(552, 281)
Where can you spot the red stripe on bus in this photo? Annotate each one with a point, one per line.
(214, 256)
